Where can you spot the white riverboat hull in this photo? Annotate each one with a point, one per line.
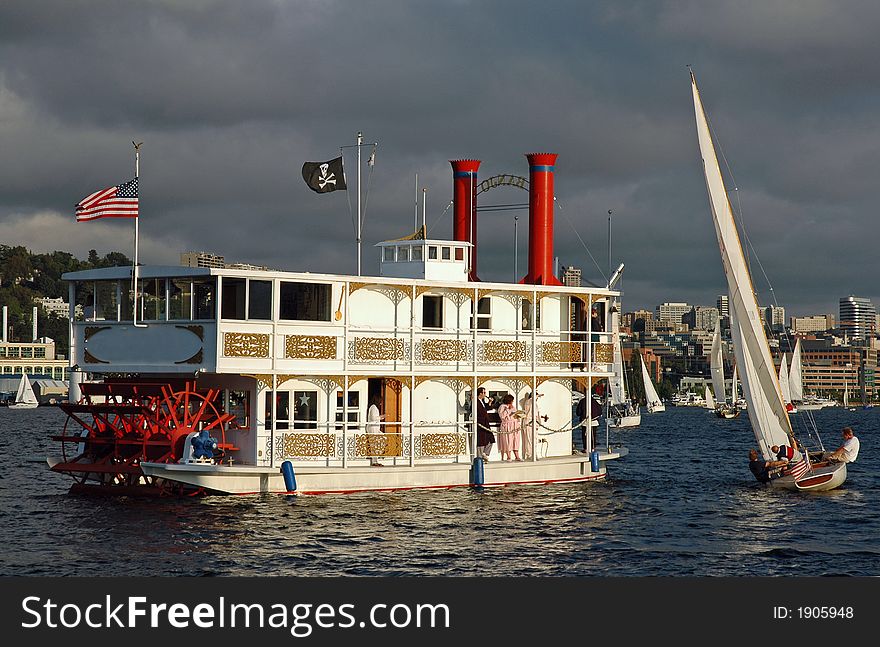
(224, 479)
(820, 479)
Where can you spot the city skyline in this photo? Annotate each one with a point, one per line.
(230, 102)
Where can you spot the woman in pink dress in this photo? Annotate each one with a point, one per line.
(508, 436)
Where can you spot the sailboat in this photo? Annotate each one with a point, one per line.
(795, 376)
(784, 386)
(767, 414)
(716, 366)
(655, 405)
(25, 397)
(621, 411)
(710, 401)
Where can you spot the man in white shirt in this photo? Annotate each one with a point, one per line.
(848, 451)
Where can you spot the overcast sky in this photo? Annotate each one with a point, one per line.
(231, 97)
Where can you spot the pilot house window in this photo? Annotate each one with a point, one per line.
(305, 301)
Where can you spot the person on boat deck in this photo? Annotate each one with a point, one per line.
(373, 420)
(527, 425)
(786, 453)
(849, 450)
(509, 440)
(485, 437)
(764, 470)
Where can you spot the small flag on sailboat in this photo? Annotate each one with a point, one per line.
(323, 177)
(800, 468)
(119, 201)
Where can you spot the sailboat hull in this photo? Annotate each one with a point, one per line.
(821, 479)
(24, 405)
(626, 421)
(656, 408)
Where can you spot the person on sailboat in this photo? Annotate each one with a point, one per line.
(786, 453)
(764, 470)
(848, 451)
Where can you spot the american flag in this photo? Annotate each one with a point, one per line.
(115, 202)
(800, 468)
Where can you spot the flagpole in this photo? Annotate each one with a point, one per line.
(134, 272)
(360, 140)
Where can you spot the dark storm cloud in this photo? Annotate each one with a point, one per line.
(232, 97)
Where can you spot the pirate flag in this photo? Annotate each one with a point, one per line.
(323, 177)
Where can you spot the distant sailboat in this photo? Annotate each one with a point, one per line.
(716, 366)
(25, 397)
(784, 386)
(621, 411)
(795, 376)
(655, 405)
(710, 401)
(767, 414)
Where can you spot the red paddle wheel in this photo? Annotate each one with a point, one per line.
(117, 425)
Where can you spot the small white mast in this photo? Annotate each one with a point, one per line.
(360, 140)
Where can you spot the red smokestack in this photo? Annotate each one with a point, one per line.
(464, 207)
(541, 220)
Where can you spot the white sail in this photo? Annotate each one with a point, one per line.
(25, 394)
(733, 387)
(710, 401)
(767, 413)
(846, 396)
(795, 375)
(615, 382)
(783, 380)
(651, 395)
(716, 364)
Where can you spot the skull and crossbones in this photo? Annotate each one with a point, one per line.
(325, 179)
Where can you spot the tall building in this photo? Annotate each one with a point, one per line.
(671, 313)
(202, 259)
(702, 318)
(857, 317)
(723, 305)
(774, 317)
(812, 323)
(571, 276)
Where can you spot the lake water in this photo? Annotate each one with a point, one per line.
(682, 503)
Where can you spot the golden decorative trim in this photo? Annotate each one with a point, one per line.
(309, 347)
(88, 358)
(263, 379)
(402, 290)
(352, 379)
(378, 445)
(583, 298)
(444, 444)
(444, 350)
(603, 353)
(198, 331)
(561, 351)
(504, 351)
(240, 344)
(91, 330)
(466, 292)
(311, 445)
(195, 359)
(387, 349)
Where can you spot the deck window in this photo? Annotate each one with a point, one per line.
(526, 314)
(106, 300)
(417, 253)
(152, 300)
(484, 314)
(259, 299)
(233, 298)
(432, 311)
(446, 253)
(459, 253)
(180, 299)
(282, 408)
(305, 301)
(305, 409)
(402, 254)
(204, 300)
(432, 252)
(388, 254)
